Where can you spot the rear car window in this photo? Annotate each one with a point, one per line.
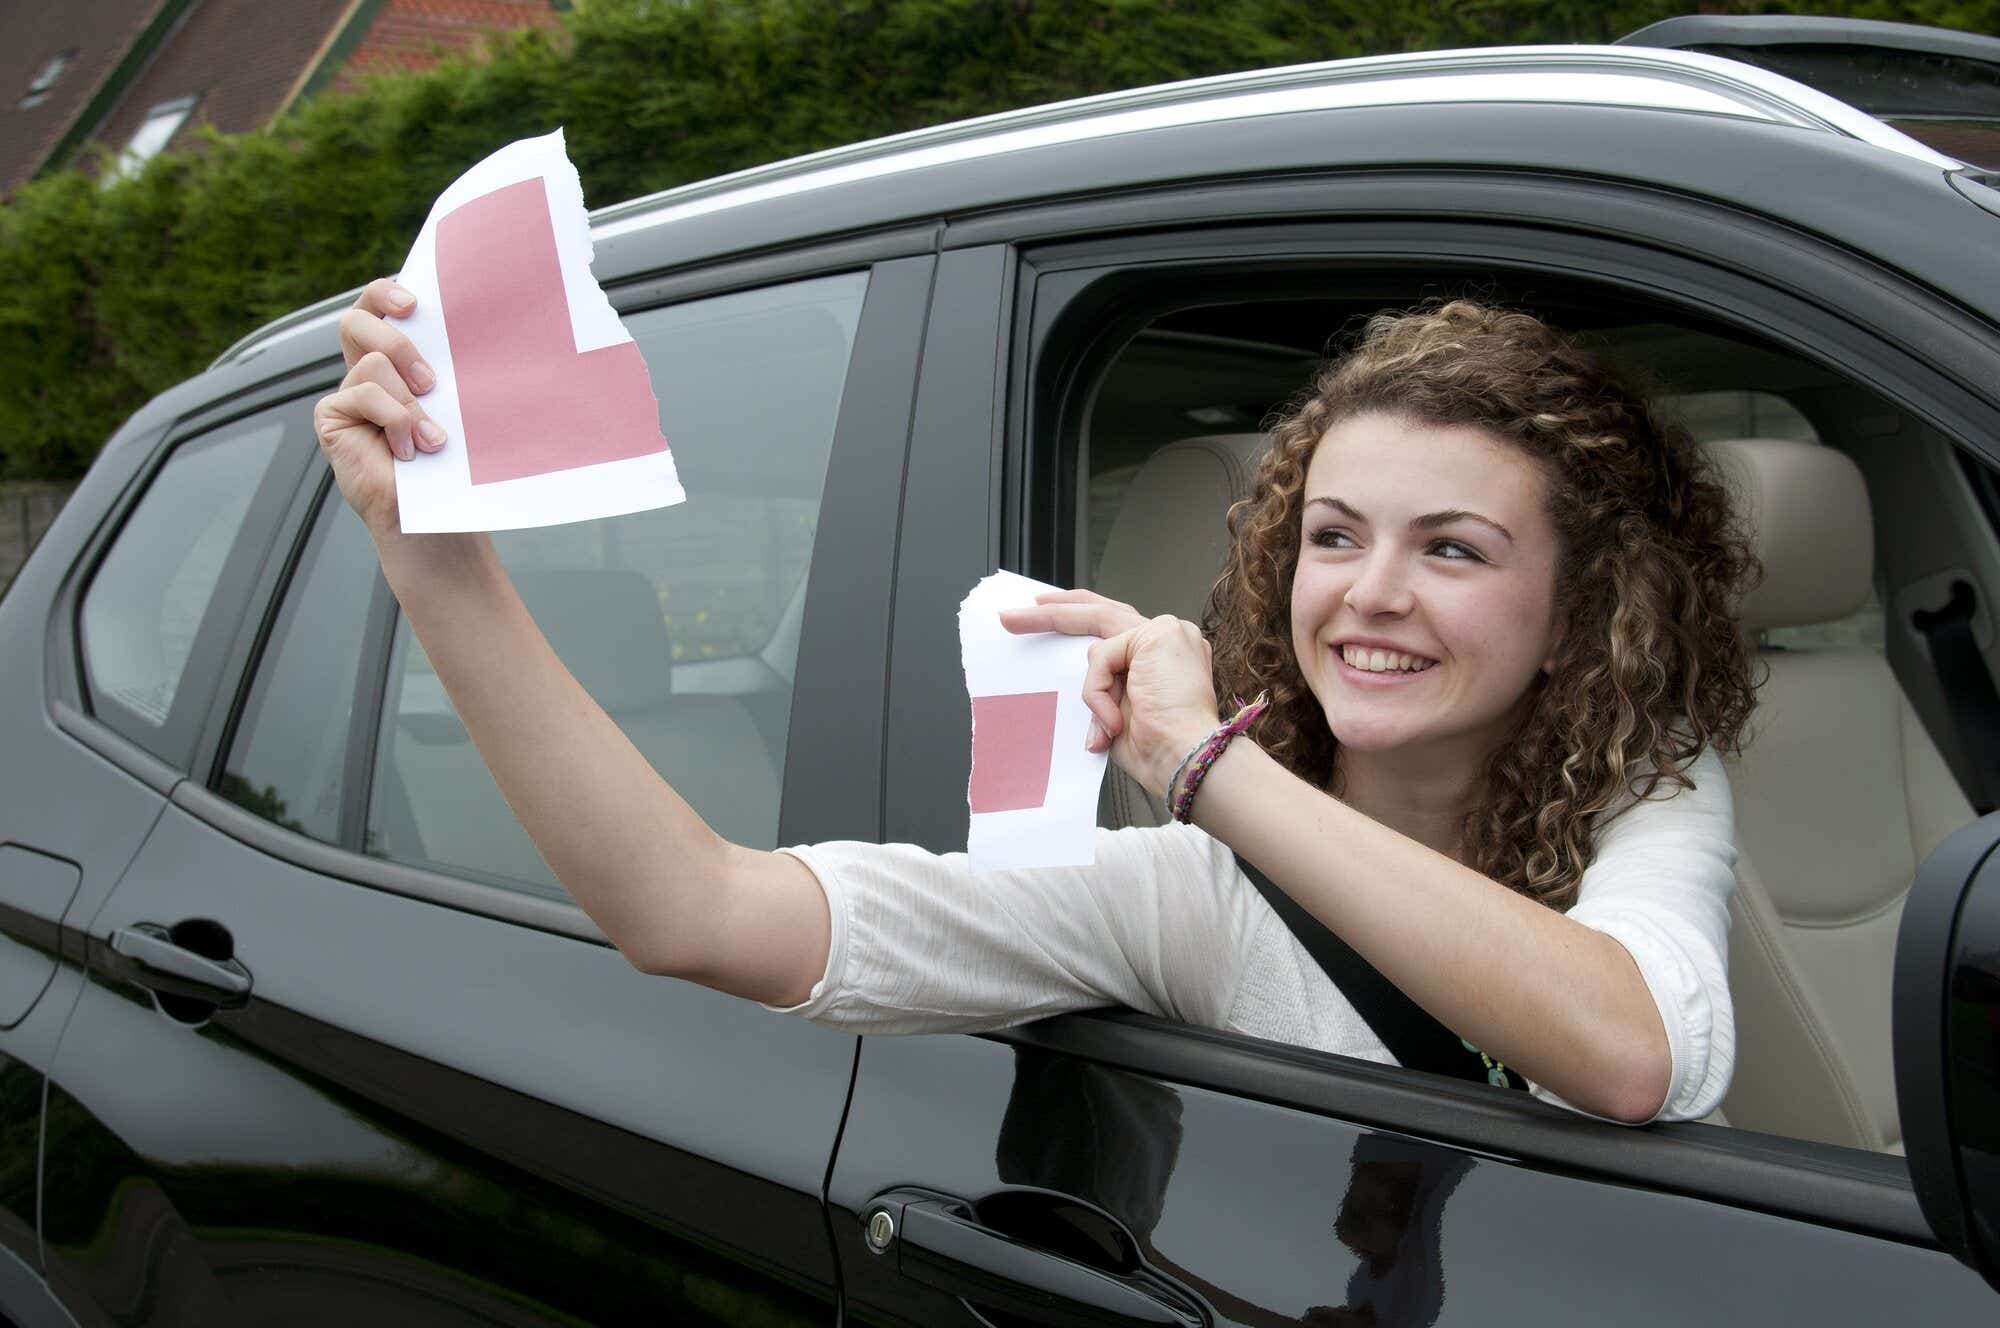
(288, 762)
(145, 605)
(683, 623)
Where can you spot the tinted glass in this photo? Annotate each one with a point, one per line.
(146, 603)
(290, 747)
(683, 623)
(1947, 102)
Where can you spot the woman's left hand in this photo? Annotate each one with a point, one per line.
(1149, 685)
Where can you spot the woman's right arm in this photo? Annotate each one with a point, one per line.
(673, 896)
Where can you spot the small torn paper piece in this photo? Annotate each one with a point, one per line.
(1033, 791)
(542, 392)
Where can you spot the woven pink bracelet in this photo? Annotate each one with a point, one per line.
(1187, 780)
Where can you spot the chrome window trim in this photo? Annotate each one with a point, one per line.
(1575, 75)
(1624, 76)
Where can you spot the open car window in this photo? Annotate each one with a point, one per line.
(1203, 382)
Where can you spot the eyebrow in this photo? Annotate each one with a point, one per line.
(1428, 521)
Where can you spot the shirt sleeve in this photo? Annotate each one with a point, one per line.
(921, 943)
(1660, 885)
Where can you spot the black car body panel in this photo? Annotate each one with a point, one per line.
(1373, 1225)
(446, 1161)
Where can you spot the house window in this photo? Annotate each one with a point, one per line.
(52, 69)
(161, 124)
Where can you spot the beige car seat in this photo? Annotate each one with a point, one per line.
(1163, 553)
(1839, 795)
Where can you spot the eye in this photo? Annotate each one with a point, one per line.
(1453, 551)
(1332, 537)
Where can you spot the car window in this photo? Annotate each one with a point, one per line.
(683, 622)
(145, 605)
(1170, 421)
(287, 759)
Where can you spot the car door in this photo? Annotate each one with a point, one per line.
(75, 810)
(347, 1053)
(1116, 1168)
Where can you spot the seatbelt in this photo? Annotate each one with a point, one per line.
(1968, 688)
(1413, 1037)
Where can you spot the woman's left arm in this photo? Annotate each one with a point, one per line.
(1557, 1001)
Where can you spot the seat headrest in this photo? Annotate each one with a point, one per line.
(1168, 540)
(1817, 543)
(1807, 510)
(607, 627)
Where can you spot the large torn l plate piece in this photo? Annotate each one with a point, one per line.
(543, 393)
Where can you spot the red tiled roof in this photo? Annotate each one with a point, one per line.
(410, 35)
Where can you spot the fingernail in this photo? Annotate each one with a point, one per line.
(1095, 736)
(401, 298)
(421, 376)
(432, 435)
(404, 452)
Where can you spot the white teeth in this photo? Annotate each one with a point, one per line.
(1383, 661)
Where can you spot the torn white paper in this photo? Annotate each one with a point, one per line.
(1033, 791)
(543, 394)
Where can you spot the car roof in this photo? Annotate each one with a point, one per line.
(1623, 77)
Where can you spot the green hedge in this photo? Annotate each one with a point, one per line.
(109, 295)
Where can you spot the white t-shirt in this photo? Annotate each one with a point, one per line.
(1165, 923)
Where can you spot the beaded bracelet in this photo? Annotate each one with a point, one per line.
(1194, 766)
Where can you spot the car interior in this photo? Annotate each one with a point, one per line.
(683, 622)
(1864, 517)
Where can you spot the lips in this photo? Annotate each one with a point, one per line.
(1370, 659)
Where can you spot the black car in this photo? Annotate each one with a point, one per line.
(297, 1028)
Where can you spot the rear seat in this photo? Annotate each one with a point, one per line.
(1839, 796)
(607, 627)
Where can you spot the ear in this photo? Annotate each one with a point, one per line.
(1555, 648)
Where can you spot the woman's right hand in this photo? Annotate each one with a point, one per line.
(374, 419)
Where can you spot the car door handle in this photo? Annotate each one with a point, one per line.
(941, 1245)
(154, 958)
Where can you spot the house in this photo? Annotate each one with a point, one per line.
(139, 76)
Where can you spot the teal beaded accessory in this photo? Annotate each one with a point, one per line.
(1496, 1073)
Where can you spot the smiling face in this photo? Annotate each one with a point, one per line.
(1423, 606)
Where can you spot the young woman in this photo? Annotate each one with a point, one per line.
(1490, 595)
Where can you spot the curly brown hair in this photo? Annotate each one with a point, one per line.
(1651, 664)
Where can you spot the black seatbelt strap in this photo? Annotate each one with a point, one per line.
(1413, 1037)
(1968, 688)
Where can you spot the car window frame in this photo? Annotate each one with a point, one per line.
(854, 538)
(180, 739)
(1721, 263)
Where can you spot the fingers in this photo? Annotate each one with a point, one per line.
(369, 403)
(1074, 613)
(363, 332)
(373, 394)
(1075, 595)
(383, 296)
(417, 428)
(1104, 688)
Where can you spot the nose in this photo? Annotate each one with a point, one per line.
(1381, 586)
